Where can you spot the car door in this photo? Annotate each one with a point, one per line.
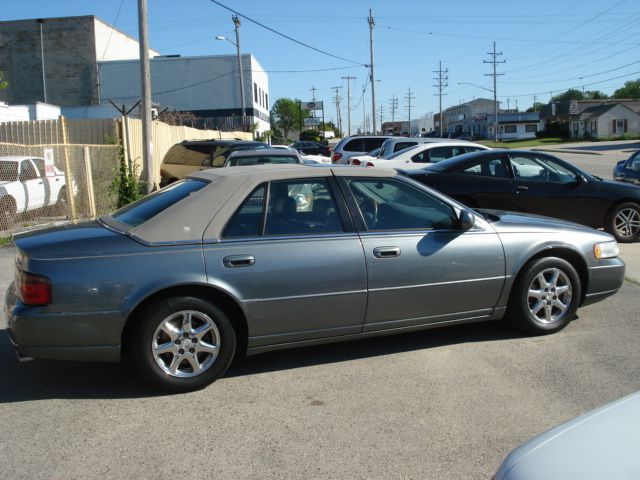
(33, 185)
(421, 268)
(292, 258)
(52, 183)
(550, 187)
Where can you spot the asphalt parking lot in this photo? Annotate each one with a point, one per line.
(448, 403)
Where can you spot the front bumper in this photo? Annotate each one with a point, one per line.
(605, 279)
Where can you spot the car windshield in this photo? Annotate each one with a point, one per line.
(261, 160)
(139, 212)
(403, 151)
(8, 171)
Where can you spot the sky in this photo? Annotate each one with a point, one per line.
(546, 46)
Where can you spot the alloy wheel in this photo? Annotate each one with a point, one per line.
(549, 296)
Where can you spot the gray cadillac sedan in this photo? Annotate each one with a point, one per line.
(246, 260)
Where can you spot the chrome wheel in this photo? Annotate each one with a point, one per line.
(186, 344)
(627, 222)
(549, 296)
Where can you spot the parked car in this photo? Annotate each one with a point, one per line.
(306, 159)
(261, 258)
(356, 145)
(535, 182)
(193, 155)
(26, 186)
(372, 155)
(395, 144)
(417, 156)
(602, 443)
(243, 158)
(312, 148)
(628, 170)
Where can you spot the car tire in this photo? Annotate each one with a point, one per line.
(182, 344)
(61, 206)
(545, 296)
(7, 215)
(623, 222)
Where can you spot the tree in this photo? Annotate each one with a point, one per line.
(571, 94)
(595, 95)
(537, 106)
(3, 84)
(286, 115)
(631, 89)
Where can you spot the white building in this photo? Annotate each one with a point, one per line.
(207, 86)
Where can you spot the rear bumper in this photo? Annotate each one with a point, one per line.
(60, 337)
(604, 280)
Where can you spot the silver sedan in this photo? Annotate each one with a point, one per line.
(246, 260)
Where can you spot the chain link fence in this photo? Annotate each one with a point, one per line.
(48, 183)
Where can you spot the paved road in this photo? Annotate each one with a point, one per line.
(446, 403)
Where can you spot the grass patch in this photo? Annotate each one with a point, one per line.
(534, 142)
(5, 241)
(631, 280)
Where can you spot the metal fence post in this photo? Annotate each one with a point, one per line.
(89, 179)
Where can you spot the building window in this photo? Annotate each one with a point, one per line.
(255, 93)
(619, 126)
(266, 100)
(509, 129)
(531, 128)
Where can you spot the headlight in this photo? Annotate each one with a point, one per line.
(606, 250)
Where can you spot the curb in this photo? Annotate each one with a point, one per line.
(563, 150)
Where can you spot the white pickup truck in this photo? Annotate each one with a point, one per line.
(25, 186)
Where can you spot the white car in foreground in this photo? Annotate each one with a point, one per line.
(25, 186)
(417, 156)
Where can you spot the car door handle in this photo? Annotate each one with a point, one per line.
(386, 252)
(235, 261)
(523, 187)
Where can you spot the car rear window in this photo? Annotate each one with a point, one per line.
(148, 207)
(261, 160)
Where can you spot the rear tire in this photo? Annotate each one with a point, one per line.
(545, 296)
(182, 344)
(7, 215)
(623, 222)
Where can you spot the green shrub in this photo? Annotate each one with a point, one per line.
(126, 184)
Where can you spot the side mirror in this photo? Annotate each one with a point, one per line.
(466, 219)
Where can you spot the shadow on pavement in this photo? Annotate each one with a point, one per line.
(44, 379)
(603, 148)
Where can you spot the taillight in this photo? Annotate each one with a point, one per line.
(336, 156)
(355, 161)
(369, 164)
(34, 289)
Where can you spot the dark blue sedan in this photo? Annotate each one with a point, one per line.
(628, 170)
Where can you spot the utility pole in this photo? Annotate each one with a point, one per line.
(442, 79)
(313, 93)
(373, 81)
(409, 97)
(381, 110)
(534, 103)
(494, 60)
(236, 22)
(145, 77)
(337, 100)
(348, 79)
(394, 107)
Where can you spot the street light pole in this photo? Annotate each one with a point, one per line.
(236, 22)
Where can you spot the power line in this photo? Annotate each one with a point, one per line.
(285, 36)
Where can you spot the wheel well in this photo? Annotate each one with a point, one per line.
(570, 256)
(618, 203)
(8, 201)
(209, 294)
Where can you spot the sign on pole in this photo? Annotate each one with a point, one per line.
(313, 105)
(48, 161)
(311, 122)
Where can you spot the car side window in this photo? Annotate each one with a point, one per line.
(301, 207)
(540, 169)
(402, 145)
(491, 167)
(422, 157)
(389, 204)
(39, 163)
(27, 171)
(442, 153)
(354, 145)
(634, 163)
(294, 207)
(218, 156)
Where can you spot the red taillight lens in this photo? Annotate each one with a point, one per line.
(355, 161)
(369, 164)
(336, 156)
(34, 289)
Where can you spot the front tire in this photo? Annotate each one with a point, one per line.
(545, 296)
(183, 344)
(623, 222)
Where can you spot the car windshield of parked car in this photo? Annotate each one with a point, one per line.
(540, 169)
(388, 204)
(8, 171)
(139, 212)
(261, 160)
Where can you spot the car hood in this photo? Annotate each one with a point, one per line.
(619, 189)
(600, 444)
(88, 238)
(502, 220)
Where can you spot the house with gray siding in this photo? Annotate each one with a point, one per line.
(605, 121)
